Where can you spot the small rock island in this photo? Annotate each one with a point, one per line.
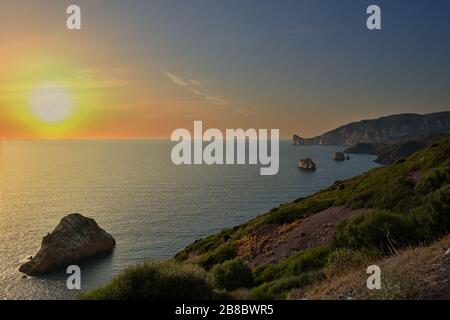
(75, 238)
(307, 164)
(339, 156)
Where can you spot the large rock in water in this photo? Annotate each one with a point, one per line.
(76, 237)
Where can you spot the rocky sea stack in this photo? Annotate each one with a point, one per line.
(339, 156)
(307, 164)
(296, 140)
(75, 238)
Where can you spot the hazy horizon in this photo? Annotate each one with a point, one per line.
(93, 138)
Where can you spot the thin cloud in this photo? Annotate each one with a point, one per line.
(176, 80)
(196, 88)
(195, 82)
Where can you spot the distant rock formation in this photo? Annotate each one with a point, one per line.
(339, 156)
(296, 140)
(307, 164)
(76, 237)
(390, 153)
(390, 129)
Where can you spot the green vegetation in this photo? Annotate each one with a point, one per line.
(408, 205)
(278, 289)
(296, 271)
(387, 231)
(156, 281)
(346, 258)
(375, 230)
(232, 274)
(299, 263)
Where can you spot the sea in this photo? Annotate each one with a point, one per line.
(152, 207)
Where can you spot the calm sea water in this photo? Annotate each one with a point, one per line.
(131, 188)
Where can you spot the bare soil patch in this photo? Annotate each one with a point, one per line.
(272, 243)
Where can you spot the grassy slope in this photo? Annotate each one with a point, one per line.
(415, 273)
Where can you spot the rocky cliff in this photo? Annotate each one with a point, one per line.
(390, 129)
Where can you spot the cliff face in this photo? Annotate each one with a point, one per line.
(390, 153)
(395, 128)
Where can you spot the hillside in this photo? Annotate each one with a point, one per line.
(299, 245)
(416, 273)
(390, 129)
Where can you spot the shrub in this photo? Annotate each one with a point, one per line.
(279, 288)
(298, 209)
(296, 264)
(222, 253)
(384, 230)
(232, 275)
(374, 229)
(439, 202)
(433, 180)
(156, 281)
(343, 258)
(432, 220)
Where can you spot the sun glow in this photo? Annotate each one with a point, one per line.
(51, 102)
(52, 98)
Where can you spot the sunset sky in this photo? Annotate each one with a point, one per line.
(142, 68)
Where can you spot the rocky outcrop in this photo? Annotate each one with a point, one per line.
(390, 129)
(339, 156)
(75, 238)
(296, 140)
(299, 141)
(307, 164)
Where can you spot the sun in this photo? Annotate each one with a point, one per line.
(58, 99)
(51, 102)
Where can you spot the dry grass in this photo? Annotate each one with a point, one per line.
(241, 294)
(419, 273)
